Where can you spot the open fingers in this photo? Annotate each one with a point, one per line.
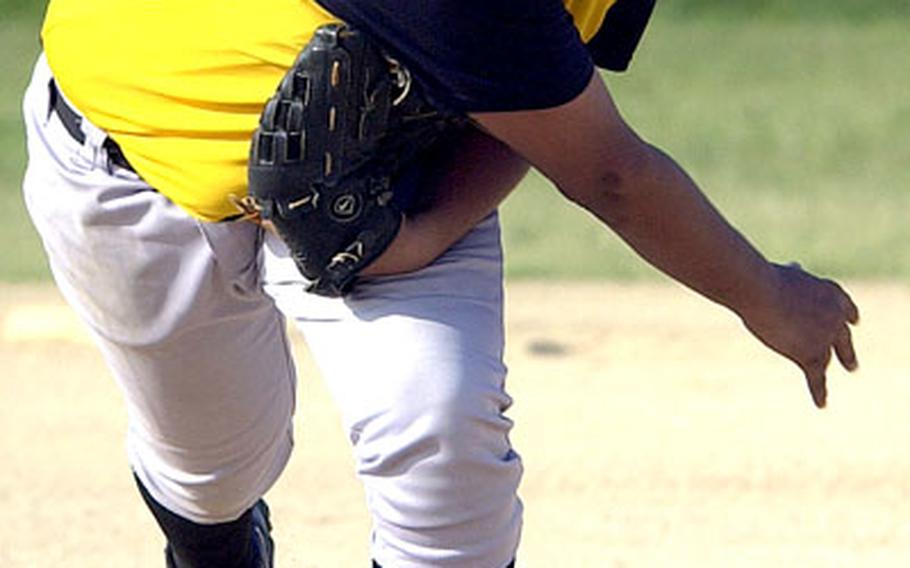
(850, 310)
(814, 369)
(815, 379)
(843, 348)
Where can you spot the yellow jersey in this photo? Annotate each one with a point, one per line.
(179, 84)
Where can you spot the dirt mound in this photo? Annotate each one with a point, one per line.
(654, 432)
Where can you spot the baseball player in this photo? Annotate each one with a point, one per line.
(372, 140)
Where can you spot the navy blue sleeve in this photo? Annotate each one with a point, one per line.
(615, 42)
(479, 55)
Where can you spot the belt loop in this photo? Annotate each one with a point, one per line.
(93, 141)
(51, 98)
(70, 119)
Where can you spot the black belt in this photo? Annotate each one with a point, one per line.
(72, 121)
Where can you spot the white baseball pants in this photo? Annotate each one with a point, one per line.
(190, 317)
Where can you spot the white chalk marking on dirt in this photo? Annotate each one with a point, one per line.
(42, 322)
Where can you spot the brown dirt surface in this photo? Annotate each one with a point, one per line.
(654, 432)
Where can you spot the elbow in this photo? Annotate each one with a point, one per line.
(601, 193)
(611, 190)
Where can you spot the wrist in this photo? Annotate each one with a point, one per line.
(764, 295)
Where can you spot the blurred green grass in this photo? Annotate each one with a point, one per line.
(790, 115)
(21, 257)
(807, 10)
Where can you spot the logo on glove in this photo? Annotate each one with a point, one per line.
(346, 207)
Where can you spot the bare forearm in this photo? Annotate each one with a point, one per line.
(599, 162)
(660, 212)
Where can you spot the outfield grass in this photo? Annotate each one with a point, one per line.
(20, 257)
(795, 125)
(805, 10)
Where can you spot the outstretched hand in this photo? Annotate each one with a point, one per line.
(598, 162)
(809, 319)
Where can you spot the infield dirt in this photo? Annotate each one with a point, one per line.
(654, 431)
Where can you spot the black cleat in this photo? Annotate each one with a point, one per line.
(263, 546)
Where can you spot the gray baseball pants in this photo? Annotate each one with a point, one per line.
(190, 317)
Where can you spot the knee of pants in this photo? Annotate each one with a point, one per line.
(441, 476)
(210, 486)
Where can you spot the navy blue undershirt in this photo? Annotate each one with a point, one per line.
(496, 55)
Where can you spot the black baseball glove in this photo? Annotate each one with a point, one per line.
(344, 124)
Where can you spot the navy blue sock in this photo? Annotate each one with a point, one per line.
(192, 545)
